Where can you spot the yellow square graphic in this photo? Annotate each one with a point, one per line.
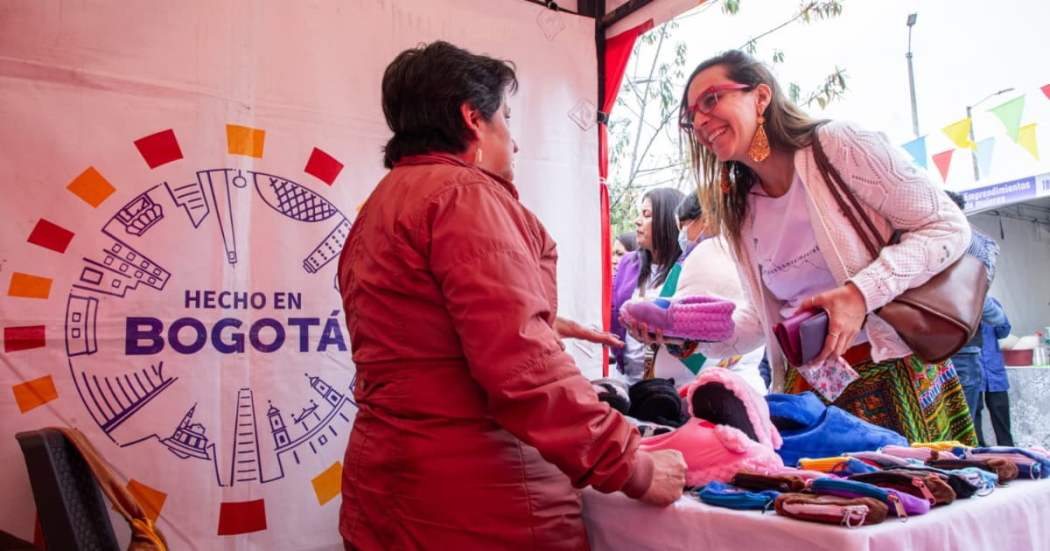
(35, 393)
(329, 483)
(242, 140)
(91, 187)
(29, 286)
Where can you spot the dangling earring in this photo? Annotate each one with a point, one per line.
(724, 182)
(759, 149)
(477, 156)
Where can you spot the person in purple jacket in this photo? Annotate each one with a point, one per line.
(994, 384)
(643, 273)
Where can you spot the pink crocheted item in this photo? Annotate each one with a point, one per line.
(730, 430)
(690, 318)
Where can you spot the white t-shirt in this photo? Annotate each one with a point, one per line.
(789, 259)
(634, 351)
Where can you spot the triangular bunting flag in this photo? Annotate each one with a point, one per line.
(1010, 114)
(1046, 91)
(1026, 137)
(917, 149)
(959, 133)
(943, 160)
(984, 155)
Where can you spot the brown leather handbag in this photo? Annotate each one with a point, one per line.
(935, 319)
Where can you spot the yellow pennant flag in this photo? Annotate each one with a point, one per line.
(1026, 137)
(959, 134)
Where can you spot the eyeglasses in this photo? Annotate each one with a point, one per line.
(706, 102)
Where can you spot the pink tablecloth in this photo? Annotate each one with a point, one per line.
(1013, 517)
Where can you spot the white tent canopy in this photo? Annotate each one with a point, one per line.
(178, 180)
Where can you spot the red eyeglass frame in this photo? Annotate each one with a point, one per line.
(686, 119)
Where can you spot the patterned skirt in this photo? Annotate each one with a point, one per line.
(923, 402)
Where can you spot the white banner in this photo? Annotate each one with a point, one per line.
(178, 181)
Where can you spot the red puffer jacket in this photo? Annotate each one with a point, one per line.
(474, 426)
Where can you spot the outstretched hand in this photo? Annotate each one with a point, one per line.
(568, 329)
(846, 312)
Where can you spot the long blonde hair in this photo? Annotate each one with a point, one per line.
(787, 126)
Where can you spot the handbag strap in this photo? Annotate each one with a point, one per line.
(873, 241)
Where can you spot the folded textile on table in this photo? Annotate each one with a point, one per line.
(656, 401)
(613, 392)
(811, 429)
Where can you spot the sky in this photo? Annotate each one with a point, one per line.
(963, 51)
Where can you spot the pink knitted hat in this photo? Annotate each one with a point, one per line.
(730, 430)
(697, 318)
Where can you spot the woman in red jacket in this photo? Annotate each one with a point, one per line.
(475, 428)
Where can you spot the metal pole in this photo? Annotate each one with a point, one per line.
(973, 152)
(911, 80)
(969, 115)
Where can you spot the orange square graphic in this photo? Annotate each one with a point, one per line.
(242, 140)
(328, 484)
(29, 286)
(91, 187)
(35, 393)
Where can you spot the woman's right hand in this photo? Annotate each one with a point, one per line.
(668, 478)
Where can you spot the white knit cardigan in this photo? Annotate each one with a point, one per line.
(896, 195)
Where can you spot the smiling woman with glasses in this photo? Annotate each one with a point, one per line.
(760, 186)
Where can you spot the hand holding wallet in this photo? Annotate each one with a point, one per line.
(802, 336)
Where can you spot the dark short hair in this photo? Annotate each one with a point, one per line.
(689, 208)
(423, 89)
(629, 240)
(958, 199)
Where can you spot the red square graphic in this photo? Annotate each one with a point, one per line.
(159, 148)
(324, 166)
(50, 236)
(242, 517)
(23, 338)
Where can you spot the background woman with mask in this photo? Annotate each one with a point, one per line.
(706, 269)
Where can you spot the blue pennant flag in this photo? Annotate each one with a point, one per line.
(984, 151)
(917, 149)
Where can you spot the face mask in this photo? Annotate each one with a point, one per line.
(683, 238)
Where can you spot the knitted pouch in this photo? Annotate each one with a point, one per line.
(849, 512)
(838, 466)
(962, 486)
(883, 460)
(929, 487)
(1028, 463)
(723, 495)
(901, 503)
(1006, 470)
(759, 482)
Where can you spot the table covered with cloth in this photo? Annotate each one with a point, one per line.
(1012, 517)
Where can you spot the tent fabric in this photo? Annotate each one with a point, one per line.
(617, 53)
(659, 11)
(178, 179)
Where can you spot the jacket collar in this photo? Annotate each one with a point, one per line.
(439, 158)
